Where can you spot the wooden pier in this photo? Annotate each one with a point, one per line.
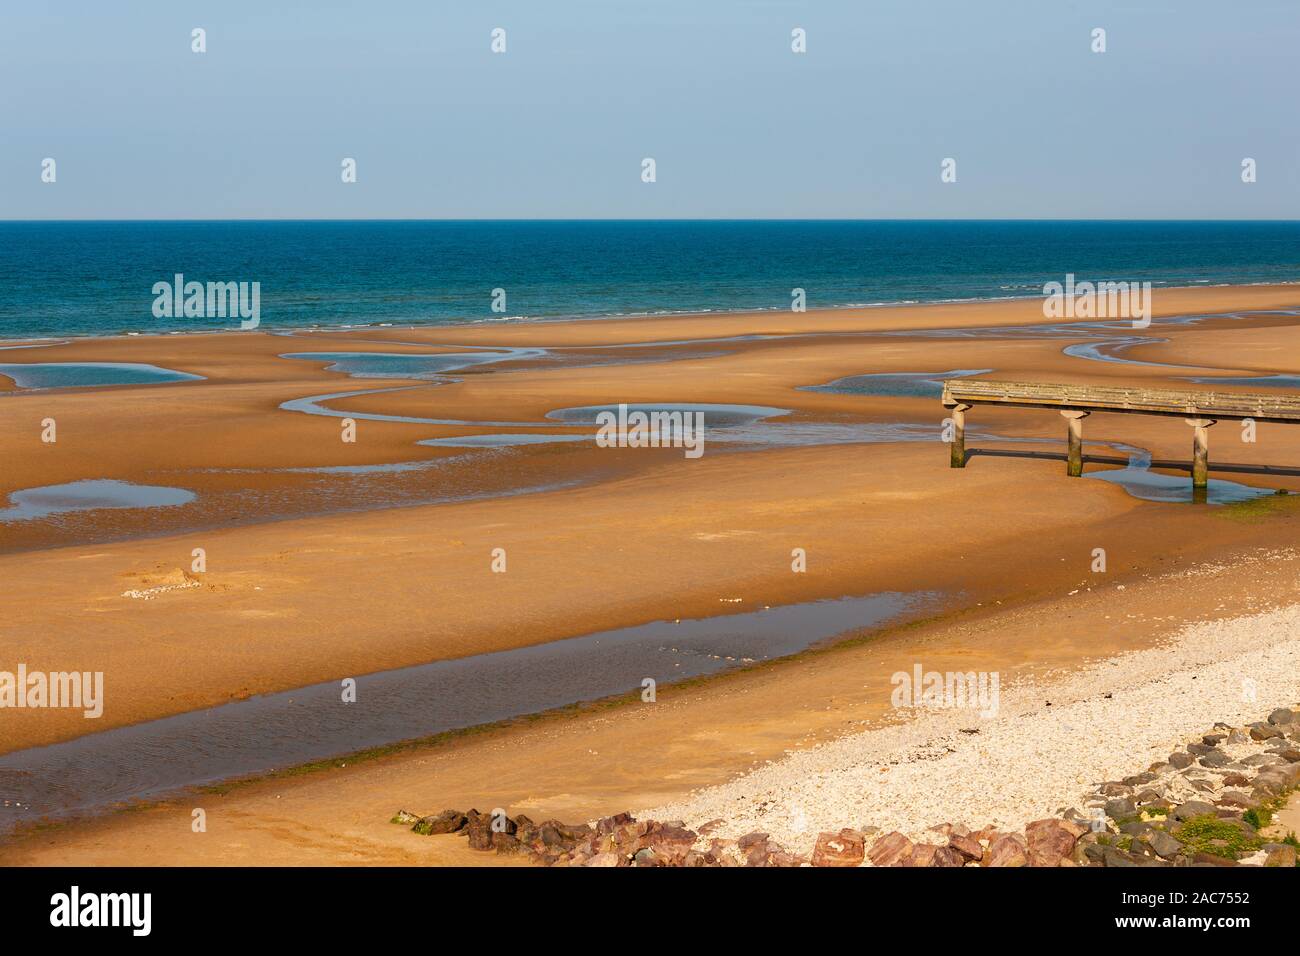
(1200, 409)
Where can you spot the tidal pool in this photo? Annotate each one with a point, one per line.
(89, 495)
(896, 384)
(87, 374)
(409, 364)
(1140, 481)
(312, 723)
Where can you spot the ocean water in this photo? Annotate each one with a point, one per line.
(96, 278)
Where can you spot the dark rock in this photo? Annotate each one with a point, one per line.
(922, 855)
(610, 824)
(1007, 852)
(892, 849)
(1114, 856)
(1261, 731)
(1139, 778)
(966, 846)
(1163, 844)
(1209, 859)
(506, 843)
(1284, 856)
(948, 857)
(480, 834)
(1120, 807)
(1215, 758)
(1192, 808)
(845, 848)
(449, 821)
(1180, 760)
(1094, 852)
(1259, 760)
(1049, 842)
(1236, 800)
(1283, 715)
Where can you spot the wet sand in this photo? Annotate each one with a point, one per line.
(576, 766)
(314, 575)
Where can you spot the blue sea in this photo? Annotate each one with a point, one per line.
(96, 278)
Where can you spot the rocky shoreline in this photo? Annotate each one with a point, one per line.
(1207, 804)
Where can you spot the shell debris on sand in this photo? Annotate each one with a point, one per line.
(1028, 761)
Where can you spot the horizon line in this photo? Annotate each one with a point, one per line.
(611, 219)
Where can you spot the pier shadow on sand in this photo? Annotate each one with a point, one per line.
(1135, 475)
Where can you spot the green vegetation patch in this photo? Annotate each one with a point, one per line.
(1279, 505)
(1209, 834)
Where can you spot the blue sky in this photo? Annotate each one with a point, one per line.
(739, 126)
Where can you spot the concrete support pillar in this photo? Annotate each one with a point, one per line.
(957, 447)
(1200, 451)
(1074, 428)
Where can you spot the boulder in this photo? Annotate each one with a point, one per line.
(1234, 799)
(506, 843)
(948, 857)
(1049, 842)
(966, 846)
(1163, 844)
(669, 841)
(1007, 852)
(1192, 808)
(1076, 826)
(610, 824)
(1262, 731)
(449, 821)
(1283, 715)
(1283, 856)
(1209, 859)
(480, 834)
(846, 848)
(1120, 807)
(892, 849)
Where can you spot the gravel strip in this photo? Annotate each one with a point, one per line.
(1032, 759)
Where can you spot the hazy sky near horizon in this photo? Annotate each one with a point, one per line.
(739, 126)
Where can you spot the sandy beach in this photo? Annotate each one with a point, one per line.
(326, 559)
